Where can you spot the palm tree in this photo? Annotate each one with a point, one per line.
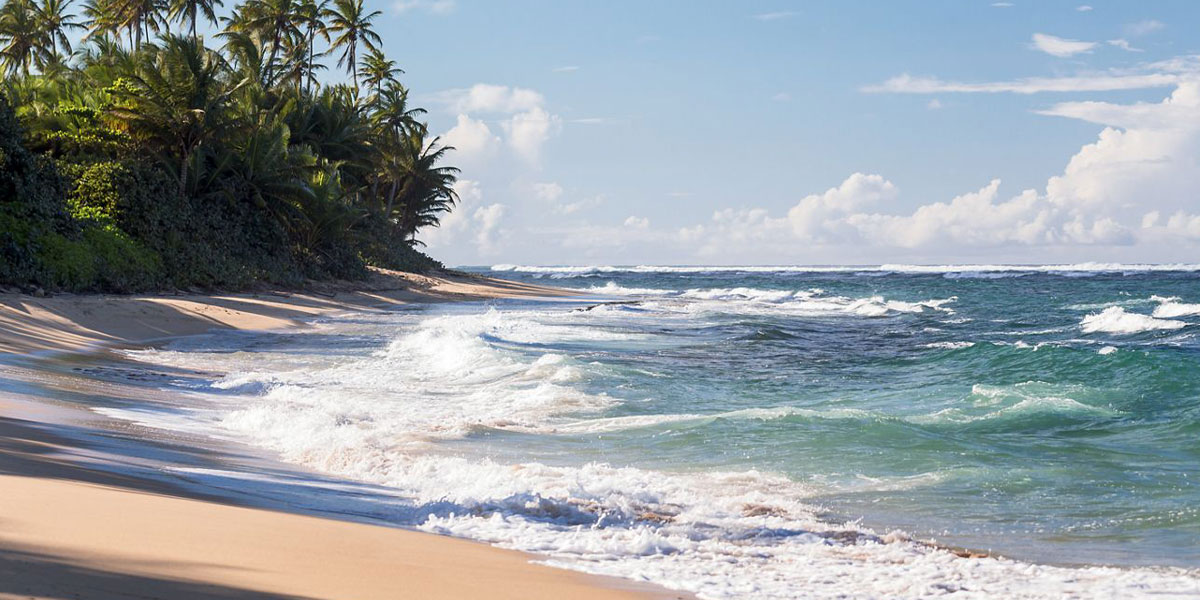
(391, 111)
(420, 190)
(273, 21)
(139, 17)
(311, 13)
(353, 26)
(188, 11)
(376, 70)
(56, 22)
(103, 15)
(20, 34)
(177, 102)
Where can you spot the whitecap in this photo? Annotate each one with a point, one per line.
(1115, 319)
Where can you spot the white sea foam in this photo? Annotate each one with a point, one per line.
(1106, 350)
(383, 418)
(1115, 319)
(952, 270)
(1174, 307)
(745, 300)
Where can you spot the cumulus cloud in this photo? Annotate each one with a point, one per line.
(1083, 8)
(471, 138)
(1136, 183)
(549, 191)
(489, 98)
(528, 131)
(520, 113)
(1060, 47)
(472, 221)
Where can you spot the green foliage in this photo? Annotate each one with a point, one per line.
(148, 159)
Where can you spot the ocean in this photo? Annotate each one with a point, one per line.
(756, 432)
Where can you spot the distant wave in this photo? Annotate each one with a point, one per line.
(1078, 269)
(745, 300)
(1115, 319)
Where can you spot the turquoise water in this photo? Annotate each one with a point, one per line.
(756, 433)
(995, 421)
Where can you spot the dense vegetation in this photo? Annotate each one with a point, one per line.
(151, 157)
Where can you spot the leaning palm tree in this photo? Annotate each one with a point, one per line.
(376, 70)
(352, 25)
(55, 23)
(189, 11)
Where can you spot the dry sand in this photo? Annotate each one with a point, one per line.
(77, 521)
(69, 322)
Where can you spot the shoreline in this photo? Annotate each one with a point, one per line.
(91, 507)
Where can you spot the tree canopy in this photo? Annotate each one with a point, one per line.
(216, 161)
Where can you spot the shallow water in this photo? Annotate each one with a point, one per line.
(750, 433)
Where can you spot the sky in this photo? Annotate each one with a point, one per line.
(693, 132)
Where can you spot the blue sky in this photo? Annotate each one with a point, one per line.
(732, 132)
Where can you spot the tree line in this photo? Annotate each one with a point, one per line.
(150, 156)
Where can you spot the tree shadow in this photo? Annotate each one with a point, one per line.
(29, 574)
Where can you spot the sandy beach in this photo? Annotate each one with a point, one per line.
(88, 511)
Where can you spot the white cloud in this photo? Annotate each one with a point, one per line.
(1083, 8)
(782, 97)
(437, 7)
(527, 131)
(1060, 47)
(1113, 193)
(526, 124)
(472, 139)
(1124, 45)
(1143, 27)
(566, 69)
(775, 16)
(549, 191)
(1002, 4)
(908, 84)
(489, 98)
(934, 104)
(471, 222)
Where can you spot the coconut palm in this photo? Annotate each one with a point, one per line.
(177, 102)
(420, 190)
(103, 18)
(20, 35)
(377, 70)
(311, 15)
(55, 23)
(351, 24)
(390, 110)
(189, 11)
(272, 21)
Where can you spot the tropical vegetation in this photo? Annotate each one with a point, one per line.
(185, 143)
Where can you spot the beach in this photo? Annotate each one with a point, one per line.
(721, 433)
(90, 507)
